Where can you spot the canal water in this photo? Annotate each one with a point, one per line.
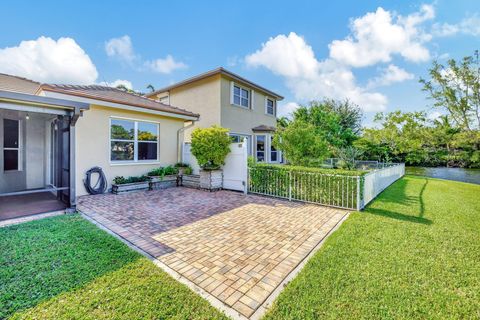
(457, 174)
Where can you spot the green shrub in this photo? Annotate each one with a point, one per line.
(210, 146)
(181, 165)
(123, 180)
(163, 171)
(326, 186)
(170, 170)
(301, 145)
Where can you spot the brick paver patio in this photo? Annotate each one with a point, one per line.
(237, 248)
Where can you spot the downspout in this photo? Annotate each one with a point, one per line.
(73, 161)
(180, 131)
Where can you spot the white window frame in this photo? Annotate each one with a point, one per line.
(265, 152)
(19, 148)
(278, 152)
(250, 96)
(273, 106)
(135, 143)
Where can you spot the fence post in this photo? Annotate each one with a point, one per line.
(245, 188)
(358, 194)
(290, 185)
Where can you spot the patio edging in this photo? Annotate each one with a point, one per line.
(263, 308)
(230, 312)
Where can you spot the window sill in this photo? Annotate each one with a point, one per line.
(133, 163)
(239, 106)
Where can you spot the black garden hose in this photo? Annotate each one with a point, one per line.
(100, 186)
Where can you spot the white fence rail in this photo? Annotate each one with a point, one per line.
(327, 189)
(378, 180)
(349, 192)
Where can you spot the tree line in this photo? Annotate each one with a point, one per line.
(332, 128)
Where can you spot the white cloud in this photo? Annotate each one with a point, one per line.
(293, 59)
(434, 115)
(287, 109)
(469, 25)
(118, 82)
(165, 65)
(121, 48)
(47, 60)
(389, 75)
(379, 35)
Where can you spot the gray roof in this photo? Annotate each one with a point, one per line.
(115, 95)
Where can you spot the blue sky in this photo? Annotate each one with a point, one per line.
(372, 52)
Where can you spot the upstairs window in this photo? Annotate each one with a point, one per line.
(241, 96)
(133, 141)
(270, 107)
(11, 145)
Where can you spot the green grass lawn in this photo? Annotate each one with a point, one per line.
(414, 253)
(66, 268)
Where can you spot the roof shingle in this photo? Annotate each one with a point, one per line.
(114, 95)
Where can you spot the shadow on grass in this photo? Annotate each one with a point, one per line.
(399, 216)
(396, 194)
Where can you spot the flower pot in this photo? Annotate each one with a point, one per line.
(128, 187)
(164, 182)
(211, 179)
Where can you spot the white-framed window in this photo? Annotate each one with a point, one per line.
(241, 96)
(260, 148)
(11, 145)
(133, 141)
(274, 153)
(269, 106)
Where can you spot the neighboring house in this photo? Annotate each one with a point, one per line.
(53, 134)
(228, 100)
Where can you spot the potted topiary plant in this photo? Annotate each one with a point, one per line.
(122, 184)
(163, 177)
(210, 146)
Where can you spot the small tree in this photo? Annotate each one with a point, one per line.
(210, 146)
(301, 145)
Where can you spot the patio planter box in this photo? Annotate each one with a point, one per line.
(211, 179)
(191, 181)
(158, 182)
(127, 187)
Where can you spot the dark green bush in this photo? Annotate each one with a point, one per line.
(123, 180)
(324, 186)
(163, 171)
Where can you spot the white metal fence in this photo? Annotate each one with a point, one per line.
(326, 189)
(378, 180)
(343, 191)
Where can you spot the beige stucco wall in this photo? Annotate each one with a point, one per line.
(242, 120)
(202, 97)
(93, 148)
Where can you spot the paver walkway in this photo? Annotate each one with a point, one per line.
(237, 248)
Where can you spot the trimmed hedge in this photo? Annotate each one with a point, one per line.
(324, 186)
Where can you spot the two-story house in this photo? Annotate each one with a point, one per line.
(225, 99)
